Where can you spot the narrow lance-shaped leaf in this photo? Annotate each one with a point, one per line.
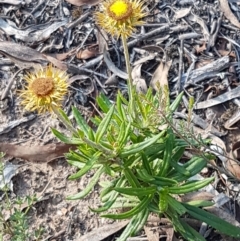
(135, 148)
(103, 102)
(89, 187)
(89, 164)
(104, 124)
(142, 205)
(82, 124)
(135, 225)
(133, 181)
(167, 154)
(214, 221)
(190, 187)
(143, 191)
(120, 107)
(65, 139)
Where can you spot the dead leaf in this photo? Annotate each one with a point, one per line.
(152, 234)
(83, 2)
(37, 153)
(22, 56)
(226, 52)
(102, 38)
(232, 94)
(32, 34)
(160, 76)
(112, 66)
(112, 80)
(90, 52)
(228, 13)
(231, 165)
(63, 56)
(59, 64)
(200, 49)
(182, 12)
(199, 195)
(7, 127)
(140, 83)
(103, 232)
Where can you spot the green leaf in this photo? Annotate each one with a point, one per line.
(120, 107)
(133, 181)
(134, 225)
(170, 141)
(145, 163)
(190, 233)
(118, 182)
(190, 186)
(163, 202)
(103, 126)
(91, 134)
(65, 139)
(89, 187)
(142, 205)
(136, 148)
(82, 124)
(143, 191)
(177, 206)
(103, 102)
(64, 116)
(105, 207)
(194, 166)
(176, 102)
(141, 106)
(174, 161)
(89, 164)
(214, 221)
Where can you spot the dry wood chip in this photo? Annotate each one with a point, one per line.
(228, 13)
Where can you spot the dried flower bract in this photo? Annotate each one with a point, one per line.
(45, 89)
(120, 17)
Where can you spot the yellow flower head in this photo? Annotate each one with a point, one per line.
(120, 17)
(46, 89)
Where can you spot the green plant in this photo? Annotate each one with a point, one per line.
(141, 155)
(17, 224)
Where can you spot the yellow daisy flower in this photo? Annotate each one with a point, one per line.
(120, 17)
(45, 89)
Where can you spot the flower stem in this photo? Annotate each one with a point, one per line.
(129, 71)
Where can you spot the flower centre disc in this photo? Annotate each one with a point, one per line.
(120, 10)
(42, 86)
